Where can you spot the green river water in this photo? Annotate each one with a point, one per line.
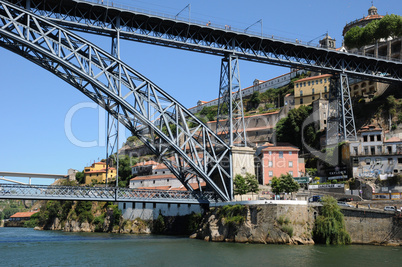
(27, 247)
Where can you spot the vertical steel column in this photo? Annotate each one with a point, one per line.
(230, 124)
(112, 124)
(340, 121)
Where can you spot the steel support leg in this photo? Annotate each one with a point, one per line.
(340, 121)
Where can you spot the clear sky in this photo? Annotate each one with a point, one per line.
(34, 103)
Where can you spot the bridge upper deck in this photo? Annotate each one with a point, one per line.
(156, 29)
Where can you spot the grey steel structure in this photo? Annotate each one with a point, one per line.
(100, 19)
(151, 114)
(230, 120)
(341, 122)
(51, 192)
(157, 119)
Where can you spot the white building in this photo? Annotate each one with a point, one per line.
(374, 155)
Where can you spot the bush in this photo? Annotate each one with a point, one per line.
(194, 222)
(232, 214)
(287, 229)
(159, 225)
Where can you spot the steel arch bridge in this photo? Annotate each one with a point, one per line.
(137, 26)
(182, 142)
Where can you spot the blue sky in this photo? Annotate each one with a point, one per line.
(35, 103)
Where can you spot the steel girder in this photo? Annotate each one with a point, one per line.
(157, 119)
(100, 19)
(51, 192)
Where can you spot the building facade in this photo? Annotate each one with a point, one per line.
(312, 88)
(278, 160)
(97, 173)
(375, 155)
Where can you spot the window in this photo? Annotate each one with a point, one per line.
(355, 150)
(321, 81)
(368, 161)
(270, 174)
(389, 148)
(154, 205)
(301, 92)
(325, 89)
(325, 96)
(297, 85)
(372, 150)
(301, 101)
(133, 205)
(313, 98)
(270, 152)
(399, 160)
(355, 161)
(290, 163)
(270, 164)
(308, 83)
(168, 180)
(365, 138)
(281, 154)
(325, 80)
(312, 91)
(372, 138)
(304, 83)
(378, 137)
(290, 152)
(316, 82)
(390, 161)
(365, 150)
(143, 205)
(124, 206)
(291, 173)
(153, 181)
(377, 161)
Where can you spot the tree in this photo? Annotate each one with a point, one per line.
(252, 183)
(329, 227)
(240, 185)
(254, 100)
(285, 183)
(80, 177)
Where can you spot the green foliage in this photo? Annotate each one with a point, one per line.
(252, 183)
(232, 214)
(209, 112)
(125, 163)
(329, 227)
(8, 212)
(83, 211)
(287, 229)
(388, 26)
(159, 224)
(240, 185)
(254, 101)
(288, 129)
(117, 215)
(33, 221)
(194, 222)
(285, 183)
(98, 222)
(80, 177)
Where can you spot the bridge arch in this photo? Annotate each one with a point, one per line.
(184, 144)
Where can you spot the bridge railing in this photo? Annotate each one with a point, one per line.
(55, 192)
(114, 4)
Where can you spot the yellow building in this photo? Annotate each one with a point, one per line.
(312, 88)
(97, 172)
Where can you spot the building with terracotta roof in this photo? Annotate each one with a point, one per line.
(311, 88)
(278, 160)
(22, 216)
(97, 173)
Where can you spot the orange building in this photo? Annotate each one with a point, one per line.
(277, 160)
(97, 173)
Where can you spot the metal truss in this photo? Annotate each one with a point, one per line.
(230, 120)
(340, 121)
(99, 19)
(182, 142)
(82, 193)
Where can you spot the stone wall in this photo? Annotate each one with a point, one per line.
(373, 227)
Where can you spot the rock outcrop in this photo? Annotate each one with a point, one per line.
(274, 224)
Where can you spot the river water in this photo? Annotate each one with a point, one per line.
(22, 246)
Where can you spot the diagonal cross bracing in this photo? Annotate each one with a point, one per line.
(136, 26)
(145, 109)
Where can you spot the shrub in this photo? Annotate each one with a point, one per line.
(287, 229)
(232, 214)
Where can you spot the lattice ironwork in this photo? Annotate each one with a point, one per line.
(52, 192)
(152, 29)
(183, 143)
(230, 120)
(340, 121)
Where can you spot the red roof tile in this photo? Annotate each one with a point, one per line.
(23, 214)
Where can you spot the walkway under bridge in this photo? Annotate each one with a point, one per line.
(83, 193)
